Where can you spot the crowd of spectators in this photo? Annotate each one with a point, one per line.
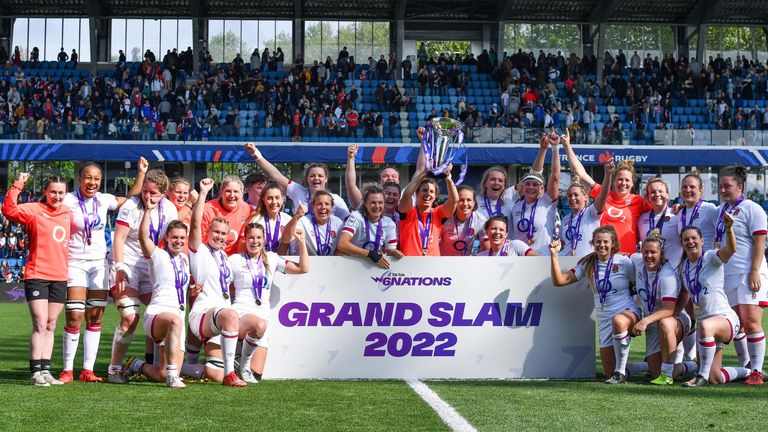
(164, 99)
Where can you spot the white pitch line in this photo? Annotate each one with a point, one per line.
(447, 413)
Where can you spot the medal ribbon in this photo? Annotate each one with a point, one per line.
(603, 286)
(720, 225)
(88, 224)
(379, 233)
(658, 225)
(321, 247)
(180, 276)
(694, 285)
(154, 234)
(221, 261)
(272, 240)
(496, 211)
(259, 281)
(574, 230)
(424, 233)
(651, 291)
(530, 230)
(694, 212)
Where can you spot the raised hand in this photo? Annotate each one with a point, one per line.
(206, 185)
(352, 151)
(554, 247)
(23, 177)
(142, 165)
(298, 233)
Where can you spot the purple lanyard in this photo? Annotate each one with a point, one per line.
(694, 285)
(259, 281)
(574, 231)
(467, 226)
(181, 277)
(310, 211)
(504, 250)
(88, 224)
(658, 225)
(221, 262)
(527, 224)
(694, 212)
(272, 241)
(496, 211)
(720, 225)
(379, 233)
(424, 233)
(323, 249)
(154, 234)
(651, 291)
(604, 285)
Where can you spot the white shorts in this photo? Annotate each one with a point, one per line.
(605, 328)
(196, 323)
(91, 274)
(652, 344)
(244, 309)
(149, 326)
(138, 277)
(732, 319)
(738, 291)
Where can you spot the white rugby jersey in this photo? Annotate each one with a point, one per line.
(670, 233)
(748, 219)
(488, 207)
(273, 231)
(246, 278)
(165, 295)
(214, 271)
(130, 215)
(327, 233)
(704, 218)
(364, 233)
(711, 300)
(96, 209)
(300, 195)
(654, 287)
(576, 229)
(543, 212)
(509, 248)
(618, 297)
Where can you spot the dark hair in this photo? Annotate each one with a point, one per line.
(368, 190)
(695, 175)
(177, 224)
(260, 227)
(261, 209)
(255, 178)
(391, 184)
(590, 260)
(309, 167)
(322, 193)
(655, 237)
(89, 165)
(53, 179)
(738, 172)
(471, 189)
(498, 218)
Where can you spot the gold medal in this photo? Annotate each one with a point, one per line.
(530, 241)
(226, 296)
(573, 252)
(258, 302)
(717, 245)
(602, 306)
(697, 306)
(423, 253)
(88, 240)
(181, 308)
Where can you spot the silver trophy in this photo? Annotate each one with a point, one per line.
(443, 138)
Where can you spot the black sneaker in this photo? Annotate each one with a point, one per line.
(699, 381)
(616, 378)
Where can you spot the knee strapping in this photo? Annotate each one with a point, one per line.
(214, 362)
(128, 306)
(123, 337)
(74, 306)
(95, 303)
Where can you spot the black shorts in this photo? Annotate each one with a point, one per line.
(39, 289)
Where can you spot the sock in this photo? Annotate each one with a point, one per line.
(35, 366)
(636, 368)
(171, 371)
(193, 353)
(707, 347)
(228, 345)
(729, 374)
(756, 349)
(689, 346)
(71, 341)
(742, 352)
(689, 367)
(45, 365)
(621, 350)
(668, 369)
(249, 347)
(115, 368)
(91, 345)
(137, 365)
(194, 371)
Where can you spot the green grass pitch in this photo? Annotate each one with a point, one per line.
(354, 405)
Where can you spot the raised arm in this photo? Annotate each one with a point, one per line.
(421, 163)
(406, 199)
(303, 265)
(453, 193)
(195, 228)
(576, 167)
(610, 167)
(142, 166)
(147, 246)
(350, 178)
(11, 208)
(538, 162)
(290, 228)
(270, 170)
(559, 277)
(729, 249)
(553, 183)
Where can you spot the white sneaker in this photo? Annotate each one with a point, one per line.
(50, 379)
(175, 382)
(116, 377)
(247, 376)
(38, 380)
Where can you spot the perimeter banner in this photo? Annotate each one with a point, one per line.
(430, 317)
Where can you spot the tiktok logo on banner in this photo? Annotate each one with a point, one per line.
(390, 279)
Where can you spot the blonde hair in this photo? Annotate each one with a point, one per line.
(656, 180)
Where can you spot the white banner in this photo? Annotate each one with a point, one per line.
(430, 317)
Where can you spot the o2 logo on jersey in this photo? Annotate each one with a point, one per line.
(617, 213)
(233, 235)
(59, 234)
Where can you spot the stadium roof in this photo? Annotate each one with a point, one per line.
(690, 12)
